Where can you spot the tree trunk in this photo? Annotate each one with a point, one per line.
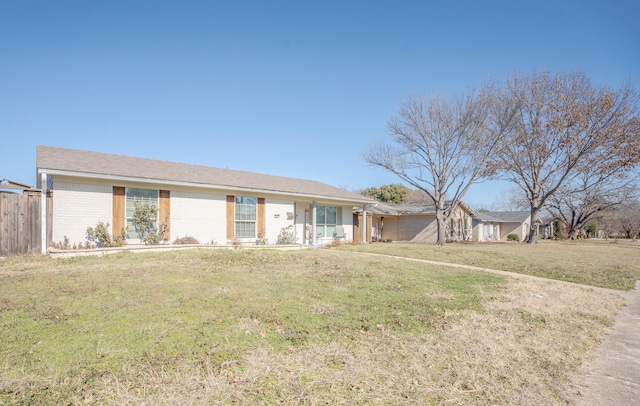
(533, 231)
(442, 228)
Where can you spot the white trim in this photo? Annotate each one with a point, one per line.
(314, 224)
(43, 214)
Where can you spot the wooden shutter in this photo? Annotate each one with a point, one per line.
(118, 210)
(357, 233)
(339, 216)
(261, 219)
(231, 201)
(164, 211)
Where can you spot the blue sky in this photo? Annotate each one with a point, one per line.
(290, 88)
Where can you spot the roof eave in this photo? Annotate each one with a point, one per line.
(303, 196)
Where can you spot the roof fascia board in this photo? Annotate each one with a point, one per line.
(306, 197)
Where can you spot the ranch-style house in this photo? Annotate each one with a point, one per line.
(213, 205)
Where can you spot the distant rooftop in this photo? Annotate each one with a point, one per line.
(409, 208)
(10, 184)
(504, 216)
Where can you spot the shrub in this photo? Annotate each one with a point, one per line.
(513, 237)
(236, 243)
(151, 239)
(101, 238)
(119, 240)
(144, 218)
(185, 240)
(262, 239)
(62, 245)
(163, 231)
(287, 236)
(559, 230)
(99, 235)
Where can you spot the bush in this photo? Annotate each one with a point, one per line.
(559, 230)
(287, 236)
(101, 238)
(62, 245)
(513, 237)
(144, 218)
(185, 240)
(163, 231)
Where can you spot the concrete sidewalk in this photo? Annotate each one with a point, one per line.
(615, 370)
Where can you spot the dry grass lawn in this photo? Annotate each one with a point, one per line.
(305, 327)
(613, 264)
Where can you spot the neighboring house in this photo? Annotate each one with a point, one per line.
(497, 225)
(12, 185)
(213, 205)
(416, 222)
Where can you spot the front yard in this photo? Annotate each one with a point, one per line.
(304, 327)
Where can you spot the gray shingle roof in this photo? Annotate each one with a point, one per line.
(149, 170)
(504, 216)
(408, 208)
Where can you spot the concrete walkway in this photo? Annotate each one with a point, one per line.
(615, 369)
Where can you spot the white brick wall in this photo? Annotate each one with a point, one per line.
(199, 215)
(347, 222)
(194, 213)
(273, 224)
(77, 206)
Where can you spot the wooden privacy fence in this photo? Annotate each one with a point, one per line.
(21, 222)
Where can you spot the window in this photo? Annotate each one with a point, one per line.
(245, 216)
(326, 221)
(133, 195)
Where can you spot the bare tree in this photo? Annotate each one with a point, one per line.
(513, 199)
(559, 124)
(440, 147)
(629, 219)
(586, 199)
(623, 221)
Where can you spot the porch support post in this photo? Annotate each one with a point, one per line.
(43, 213)
(313, 223)
(364, 224)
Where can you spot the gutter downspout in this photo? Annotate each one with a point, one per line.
(313, 223)
(43, 213)
(364, 224)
